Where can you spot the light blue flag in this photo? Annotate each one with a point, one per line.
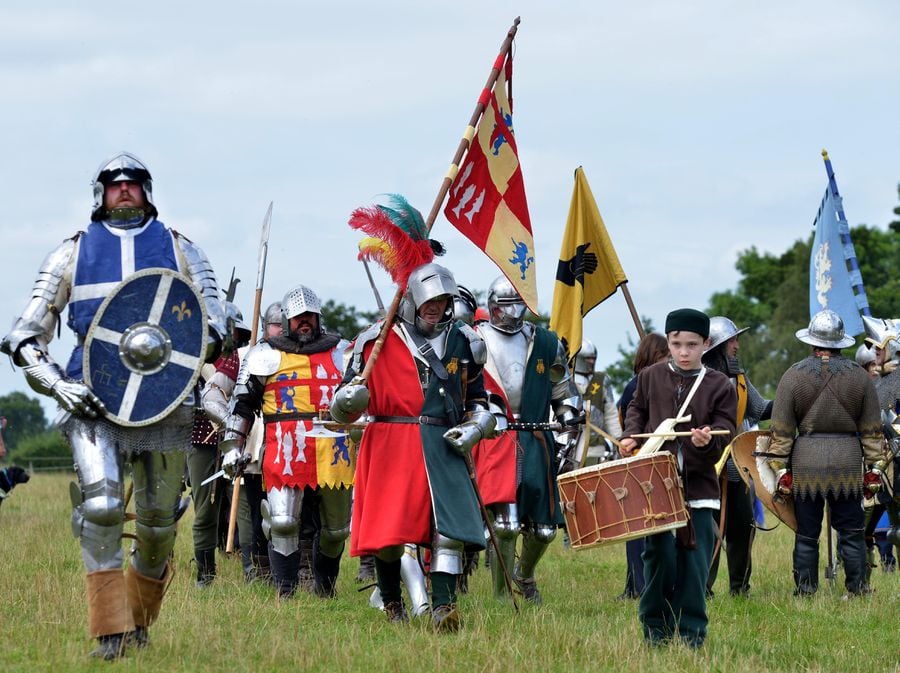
(833, 270)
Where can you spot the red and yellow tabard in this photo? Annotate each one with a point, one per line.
(293, 395)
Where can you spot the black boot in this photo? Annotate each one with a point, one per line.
(206, 567)
(262, 568)
(307, 572)
(366, 569)
(326, 572)
(853, 554)
(247, 564)
(285, 571)
(110, 647)
(806, 566)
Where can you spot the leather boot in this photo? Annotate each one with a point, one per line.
(853, 554)
(285, 570)
(806, 566)
(108, 614)
(326, 573)
(306, 572)
(206, 566)
(247, 565)
(145, 596)
(110, 647)
(366, 572)
(262, 568)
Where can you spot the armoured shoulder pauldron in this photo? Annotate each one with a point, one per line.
(49, 296)
(201, 272)
(261, 360)
(367, 335)
(476, 343)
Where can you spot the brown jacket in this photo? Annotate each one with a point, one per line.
(660, 392)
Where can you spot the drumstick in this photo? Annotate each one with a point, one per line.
(646, 435)
(605, 434)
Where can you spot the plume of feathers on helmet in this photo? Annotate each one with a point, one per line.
(397, 238)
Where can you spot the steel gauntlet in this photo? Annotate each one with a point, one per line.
(234, 458)
(350, 401)
(47, 378)
(478, 424)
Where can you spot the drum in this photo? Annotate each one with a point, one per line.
(622, 500)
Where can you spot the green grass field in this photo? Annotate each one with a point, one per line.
(236, 627)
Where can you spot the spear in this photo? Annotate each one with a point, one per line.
(372, 285)
(254, 328)
(461, 149)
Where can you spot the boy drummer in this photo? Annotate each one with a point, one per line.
(676, 565)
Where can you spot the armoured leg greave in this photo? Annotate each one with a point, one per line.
(99, 502)
(535, 540)
(506, 529)
(334, 510)
(157, 491)
(446, 555)
(282, 513)
(414, 578)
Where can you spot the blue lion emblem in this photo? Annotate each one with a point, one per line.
(285, 396)
(520, 257)
(341, 451)
(497, 136)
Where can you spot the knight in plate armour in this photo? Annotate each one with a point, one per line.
(289, 378)
(124, 237)
(427, 408)
(594, 387)
(526, 374)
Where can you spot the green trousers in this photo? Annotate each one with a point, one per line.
(674, 599)
(207, 499)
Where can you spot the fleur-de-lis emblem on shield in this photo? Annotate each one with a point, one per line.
(182, 311)
(539, 368)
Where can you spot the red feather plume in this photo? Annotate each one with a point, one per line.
(401, 254)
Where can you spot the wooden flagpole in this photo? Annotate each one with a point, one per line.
(634, 314)
(464, 144)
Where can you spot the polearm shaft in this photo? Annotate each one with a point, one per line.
(254, 329)
(372, 285)
(261, 272)
(464, 144)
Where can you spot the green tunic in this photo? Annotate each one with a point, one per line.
(537, 495)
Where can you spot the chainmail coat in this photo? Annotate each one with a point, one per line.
(888, 388)
(820, 421)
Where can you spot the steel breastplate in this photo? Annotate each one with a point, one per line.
(507, 355)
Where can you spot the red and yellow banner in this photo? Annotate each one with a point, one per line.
(487, 198)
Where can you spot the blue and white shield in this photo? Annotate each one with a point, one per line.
(145, 346)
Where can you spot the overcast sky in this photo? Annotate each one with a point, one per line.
(699, 125)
